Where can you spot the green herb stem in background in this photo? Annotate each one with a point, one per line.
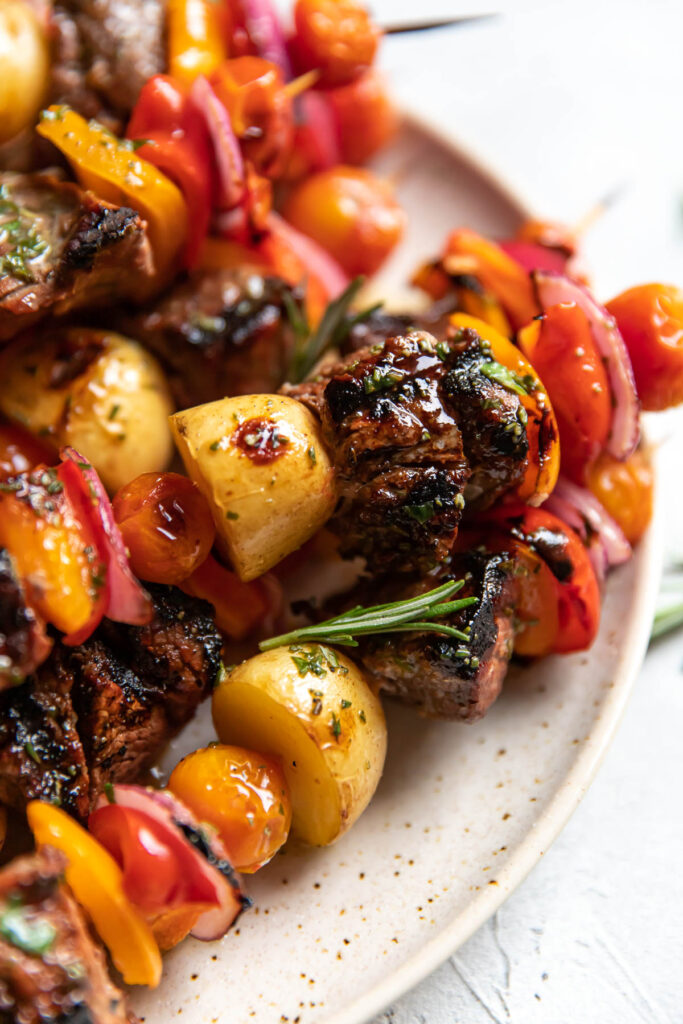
(310, 346)
(413, 615)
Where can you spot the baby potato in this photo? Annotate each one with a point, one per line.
(95, 390)
(261, 463)
(313, 708)
(24, 67)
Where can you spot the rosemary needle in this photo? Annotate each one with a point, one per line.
(412, 615)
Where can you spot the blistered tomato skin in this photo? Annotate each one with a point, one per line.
(626, 491)
(166, 525)
(335, 37)
(245, 797)
(650, 318)
(351, 213)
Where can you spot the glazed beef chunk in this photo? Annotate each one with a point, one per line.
(441, 676)
(51, 969)
(416, 428)
(101, 712)
(104, 51)
(62, 249)
(220, 332)
(23, 641)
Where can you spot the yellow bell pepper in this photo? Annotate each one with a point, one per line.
(96, 881)
(109, 167)
(195, 39)
(543, 459)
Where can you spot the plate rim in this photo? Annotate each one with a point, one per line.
(575, 784)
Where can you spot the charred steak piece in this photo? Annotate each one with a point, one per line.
(415, 427)
(101, 712)
(62, 248)
(23, 641)
(442, 677)
(51, 969)
(104, 51)
(219, 333)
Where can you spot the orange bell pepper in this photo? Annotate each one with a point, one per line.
(543, 459)
(97, 883)
(195, 38)
(469, 253)
(240, 607)
(112, 170)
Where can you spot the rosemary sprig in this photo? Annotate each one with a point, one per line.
(412, 615)
(669, 613)
(666, 620)
(310, 346)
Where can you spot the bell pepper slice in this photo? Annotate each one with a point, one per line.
(543, 459)
(113, 170)
(97, 883)
(195, 38)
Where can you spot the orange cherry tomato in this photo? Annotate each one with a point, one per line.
(166, 525)
(243, 795)
(578, 593)
(239, 607)
(351, 213)
(650, 318)
(21, 451)
(625, 489)
(561, 348)
(97, 883)
(468, 253)
(260, 108)
(365, 117)
(335, 37)
(543, 458)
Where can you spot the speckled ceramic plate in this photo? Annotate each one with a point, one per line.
(462, 813)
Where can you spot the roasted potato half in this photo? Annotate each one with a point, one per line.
(261, 463)
(24, 67)
(311, 706)
(95, 390)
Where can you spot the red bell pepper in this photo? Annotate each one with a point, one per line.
(177, 142)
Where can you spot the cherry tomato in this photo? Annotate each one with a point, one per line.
(21, 451)
(335, 37)
(650, 318)
(243, 795)
(549, 235)
(578, 593)
(260, 109)
(625, 489)
(166, 525)
(351, 213)
(366, 119)
(561, 348)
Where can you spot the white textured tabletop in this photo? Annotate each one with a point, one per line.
(569, 102)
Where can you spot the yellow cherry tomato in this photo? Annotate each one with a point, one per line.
(543, 459)
(243, 794)
(96, 881)
(626, 491)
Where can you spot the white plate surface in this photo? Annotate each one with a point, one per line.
(463, 812)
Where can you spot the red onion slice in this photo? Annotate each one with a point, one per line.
(553, 289)
(231, 177)
(581, 510)
(532, 257)
(210, 857)
(314, 258)
(265, 31)
(125, 599)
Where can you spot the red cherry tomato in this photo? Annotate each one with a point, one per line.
(625, 489)
(650, 318)
(243, 795)
(351, 213)
(561, 349)
(166, 525)
(578, 593)
(335, 37)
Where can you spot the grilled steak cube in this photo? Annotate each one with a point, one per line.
(51, 969)
(64, 249)
(104, 52)
(23, 641)
(102, 712)
(219, 333)
(441, 676)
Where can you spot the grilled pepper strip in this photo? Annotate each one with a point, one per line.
(111, 168)
(195, 38)
(97, 883)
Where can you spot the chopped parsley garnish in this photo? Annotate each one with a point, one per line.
(31, 935)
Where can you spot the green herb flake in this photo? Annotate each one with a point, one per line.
(508, 379)
(109, 792)
(361, 715)
(421, 513)
(346, 704)
(312, 456)
(335, 726)
(30, 934)
(232, 515)
(114, 411)
(32, 752)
